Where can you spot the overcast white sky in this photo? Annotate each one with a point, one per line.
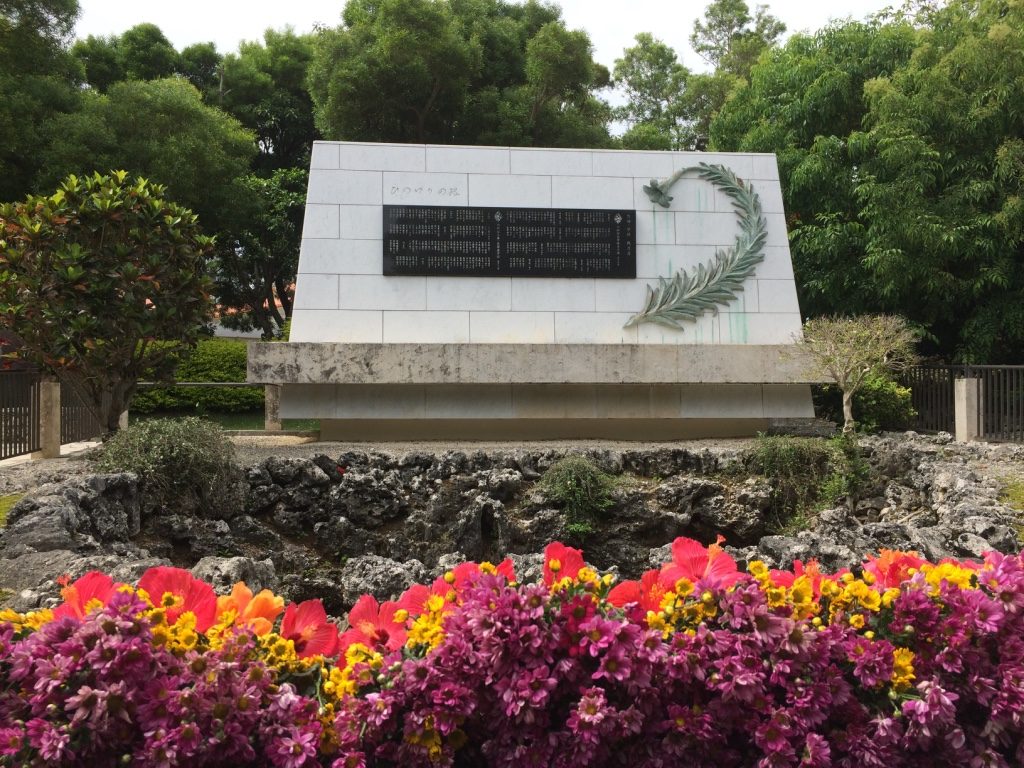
(612, 24)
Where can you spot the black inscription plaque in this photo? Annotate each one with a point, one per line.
(508, 242)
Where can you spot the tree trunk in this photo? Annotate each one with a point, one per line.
(848, 423)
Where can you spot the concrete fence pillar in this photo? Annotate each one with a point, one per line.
(966, 401)
(49, 420)
(272, 408)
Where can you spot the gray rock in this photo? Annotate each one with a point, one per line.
(222, 573)
(381, 577)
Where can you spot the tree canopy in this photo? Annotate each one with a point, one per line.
(465, 71)
(95, 273)
(902, 161)
(197, 151)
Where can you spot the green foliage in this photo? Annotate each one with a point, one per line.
(465, 71)
(583, 490)
(160, 129)
(38, 80)
(210, 360)
(880, 404)
(264, 87)
(6, 502)
(903, 170)
(184, 464)
(730, 39)
(254, 269)
(93, 274)
(806, 474)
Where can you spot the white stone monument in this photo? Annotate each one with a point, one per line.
(425, 305)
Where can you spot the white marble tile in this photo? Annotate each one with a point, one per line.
(469, 293)
(593, 328)
(316, 291)
(777, 296)
(468, 159)
(320, 221)
(337, 326)
(764, 167)
(512, 327)
(341, 257)
(771, 196)
(497, 190)
(740, 164)
(425, 188)
(658, 226)
(632, 164)
(344, 187)
(307, 401)
(706, 229)
(379, 292)
(758, 328)
(324, 155)
(542, 294)
(591, 192)
(703, 330)
(362, 222)
(778, 236)
(552, 162)
(403, 327)
(620, 295)
(555, 401)
(777, 264)
(665, 260)
(378, 157)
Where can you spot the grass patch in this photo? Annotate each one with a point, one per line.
(582, 489)
(1012, 495)
(6, 502)
(807, 475)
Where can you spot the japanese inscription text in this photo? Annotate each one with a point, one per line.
(509, 242)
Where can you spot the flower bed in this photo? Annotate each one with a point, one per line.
(903, 663)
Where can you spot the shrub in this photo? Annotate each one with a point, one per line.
(211, 360)
(807, 473)
(583, 490)
(881, 404)
(900, 663)
(183, 464)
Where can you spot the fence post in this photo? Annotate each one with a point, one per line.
(49, 419)
(272, 407)
(966, 402)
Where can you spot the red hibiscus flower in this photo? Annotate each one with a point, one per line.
(646, 593)
(561, 562)
(178, 591)
(307, 626)
(89, 593)
(693, 561)
(892, 567)
(374, 625)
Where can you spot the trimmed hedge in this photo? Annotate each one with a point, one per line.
(211, 360)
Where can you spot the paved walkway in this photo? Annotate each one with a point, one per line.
(65, 450)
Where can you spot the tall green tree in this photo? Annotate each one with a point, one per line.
(92, 275)
(140, 53)
(255, 263)
(264, 87)
(730, 39)
(652, 80)
(900, 148)
(457, 71)
(160, 129)
(38, 80)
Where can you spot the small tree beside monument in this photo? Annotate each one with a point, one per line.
(92, 275)
(850, 350)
